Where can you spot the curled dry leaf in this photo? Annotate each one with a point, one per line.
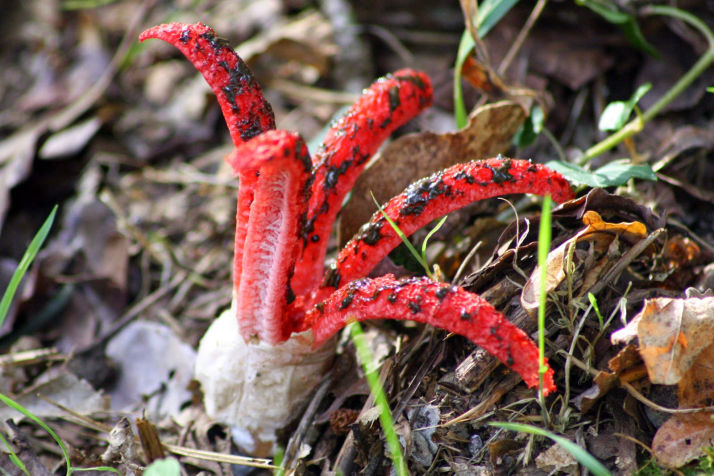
(488, 133)
(683, 437)
(672, 333)
(601, 233)
(679, 441)
(307, 40)
(626, 365)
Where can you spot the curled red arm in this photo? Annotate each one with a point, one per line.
(246, 111)
(438, 304)
(435, 196)
(386, 105)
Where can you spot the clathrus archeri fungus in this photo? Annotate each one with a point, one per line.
(258, 361)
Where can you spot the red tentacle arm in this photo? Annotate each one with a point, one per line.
(438, 304)
(435, 196)
(389, 103)
(246, 111)
(271, 243)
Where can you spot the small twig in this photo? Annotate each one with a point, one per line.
(391, 40)
(175, 449)
(678, 411)
(520, 39)
(31, 357)
(302, 92)
(465, 261)
(501, 388)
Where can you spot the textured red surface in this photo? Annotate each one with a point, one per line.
(386, 105)
(438, 304)
(435, 196)
(246, 111)
(270, 246)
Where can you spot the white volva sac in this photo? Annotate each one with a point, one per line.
(256, 388)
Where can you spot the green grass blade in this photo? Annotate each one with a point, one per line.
(13, 456)
(16, 406)
(593, 303)
(380, 399)
(585, 458)
(98, 468)
(428, 235)
(84, 4)
(465, 46)
(25, 263)
(403, 237)
(544, 239)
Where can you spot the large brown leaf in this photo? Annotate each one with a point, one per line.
(414, 156)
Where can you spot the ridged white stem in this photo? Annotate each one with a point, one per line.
(257, 388)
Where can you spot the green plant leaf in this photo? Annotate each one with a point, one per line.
(627, 23)
(710, 89)
(530, 129)
(611, 174)
(490, 13)
(585, 458)
(25, 263)
(617, 113)
(163, 467)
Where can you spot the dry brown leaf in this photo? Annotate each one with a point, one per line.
(156, 368)
(630, 231)
(672, 333)
(680, 440)
(557, 459)
(683, 437)
(62, 387)
(600, 232)
(604, 381)
(306, 40)
(696, 389)
(554, 275)
(414, 156)
(625, 359)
